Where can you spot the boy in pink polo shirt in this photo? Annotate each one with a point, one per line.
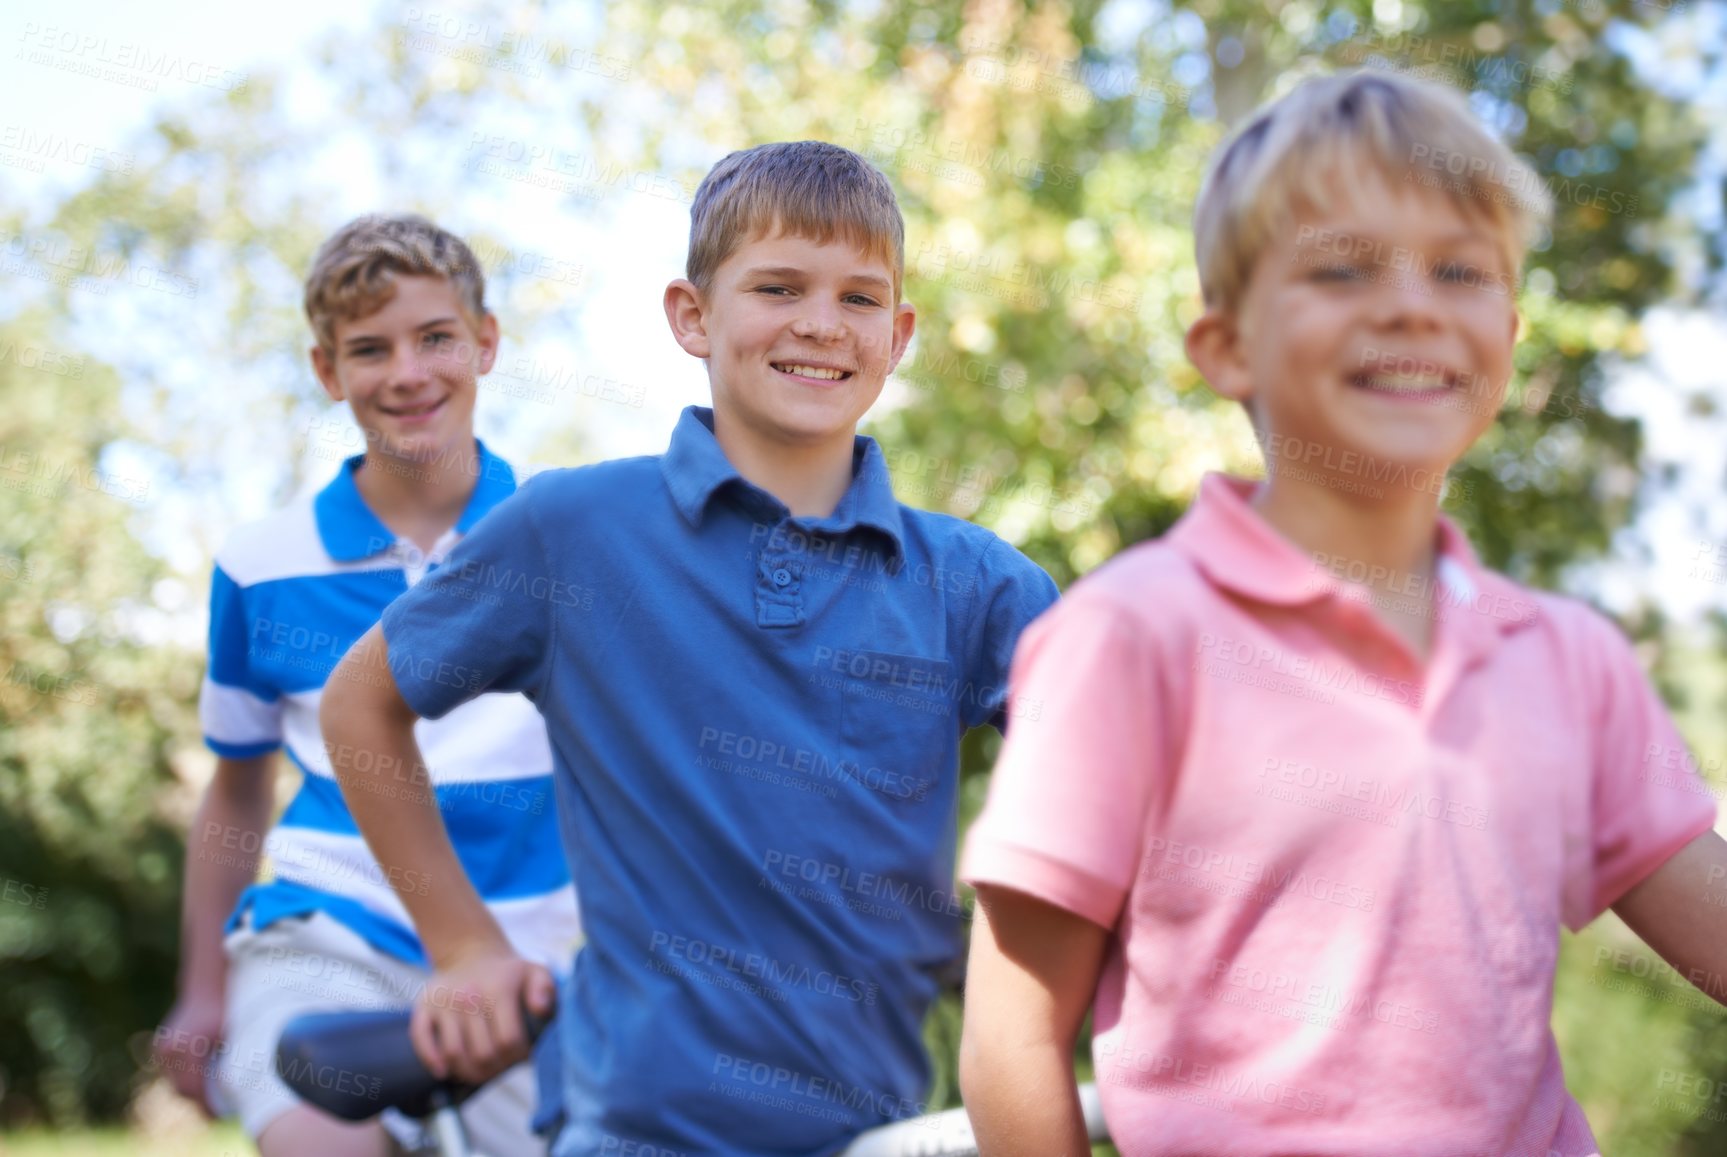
(1311, 791)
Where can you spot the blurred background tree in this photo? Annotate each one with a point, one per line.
(1046, 156)
(89, 714)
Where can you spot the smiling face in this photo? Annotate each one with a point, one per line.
(409, 371)
(1378, 334)
(798, 337)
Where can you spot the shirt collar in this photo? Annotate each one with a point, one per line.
(695, 469)
(1237, 549)
(351, 531)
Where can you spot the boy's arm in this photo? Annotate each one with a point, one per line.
(467, 1022)
(221, 861)
(1031, 977)
(1018, 591)
(1656, 861)
(1054, 856)
(1673, 912)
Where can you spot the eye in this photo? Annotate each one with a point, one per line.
(773, 290)
(1338, 273)
(862, 299)
(1452, 271)
(436, 339)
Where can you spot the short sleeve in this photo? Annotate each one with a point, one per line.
(483, 620)
(1016, 590)
(1065, 817)
(1647, 800)
(240, 712)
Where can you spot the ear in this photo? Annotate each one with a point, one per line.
(904, 325)
(1215, 348)
(487, 334)
(325, 368)
(687, 315)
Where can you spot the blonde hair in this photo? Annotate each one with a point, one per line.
(1294, 152)
(802, 188)
(353, 273)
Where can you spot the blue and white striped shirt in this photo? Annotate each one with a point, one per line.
(291, 593)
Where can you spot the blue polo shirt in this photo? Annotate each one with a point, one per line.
(290, 594)
(755, 723)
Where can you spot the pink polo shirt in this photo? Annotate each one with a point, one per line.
(1335, 878)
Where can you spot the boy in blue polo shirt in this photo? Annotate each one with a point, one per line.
(755, 718)
(398, 309)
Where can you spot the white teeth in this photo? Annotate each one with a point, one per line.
(1397, 383)
(803, 371)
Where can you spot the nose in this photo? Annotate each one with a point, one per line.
(1407, 303)
(820, 321)
(410, 367)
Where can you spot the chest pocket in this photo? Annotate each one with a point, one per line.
(899, 721)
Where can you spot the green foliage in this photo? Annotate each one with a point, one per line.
(89, 862)
(1047, 175)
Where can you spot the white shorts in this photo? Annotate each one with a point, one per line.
(317, 964)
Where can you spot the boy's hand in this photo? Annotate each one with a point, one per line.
(468, 1022)
(187, 1044)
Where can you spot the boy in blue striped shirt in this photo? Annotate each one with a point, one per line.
(397, 307)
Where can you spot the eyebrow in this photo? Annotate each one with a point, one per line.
(1455, 237)
(791, 272)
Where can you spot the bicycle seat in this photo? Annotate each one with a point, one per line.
(354, 1065)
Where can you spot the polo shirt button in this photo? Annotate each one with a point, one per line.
(782, 577)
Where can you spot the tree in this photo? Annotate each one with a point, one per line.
(1047, 157)
(90, 714)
